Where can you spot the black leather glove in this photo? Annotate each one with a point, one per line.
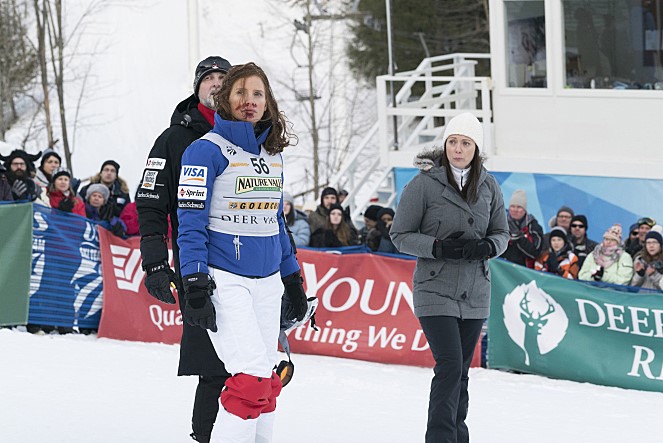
(159, 276)
(296, 296)
(451, 247)
(19, 188)
(478, 249)
(117, 228)
(66, 205)
(198, 307)
(598, 275)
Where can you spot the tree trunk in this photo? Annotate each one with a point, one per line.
(42, 18)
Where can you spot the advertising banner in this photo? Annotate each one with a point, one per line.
(548, 325)
(15, 256)
(130, 313)
(65, 287)
(365, 309)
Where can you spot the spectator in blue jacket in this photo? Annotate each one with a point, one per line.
(296, 220)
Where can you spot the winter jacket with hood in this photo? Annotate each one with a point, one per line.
(56, 197)
(429, 209)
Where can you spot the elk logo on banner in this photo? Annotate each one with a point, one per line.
(534, 320)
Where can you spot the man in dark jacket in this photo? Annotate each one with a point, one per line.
(318, 218)
(21, 169)
(156, 199)
(582, 245)
(5, 188)
(526, 239)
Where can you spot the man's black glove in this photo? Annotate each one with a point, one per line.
(296, 295)
(598, 275)
(66, 205)
(117, 228)
(19, 188)
(198, 308)
(478, 249)
(450, 247)
(159, 276)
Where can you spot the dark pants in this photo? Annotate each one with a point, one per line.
(452, 343)
(206, 406)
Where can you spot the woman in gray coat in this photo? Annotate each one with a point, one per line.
(451, 216)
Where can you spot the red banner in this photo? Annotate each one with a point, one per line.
(129, 312)
(365, 306)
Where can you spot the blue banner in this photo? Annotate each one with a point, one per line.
(66, 283)
(604, 200)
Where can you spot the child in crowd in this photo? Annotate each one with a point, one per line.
(558, 258)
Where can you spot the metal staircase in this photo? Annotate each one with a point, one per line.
(440, 88)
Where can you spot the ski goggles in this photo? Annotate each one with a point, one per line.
(646, 221)
(285, 370)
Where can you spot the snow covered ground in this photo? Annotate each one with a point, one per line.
(71, 389)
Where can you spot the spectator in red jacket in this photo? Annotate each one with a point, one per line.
(62, 196)
(129, 216)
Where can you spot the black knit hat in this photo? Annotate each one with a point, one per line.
(560, 232)
(328, 191)
(335, 206)
(580, 218)
(113, 163)
(384, 211)
(371, 212)
(656, 236)
(207, 66)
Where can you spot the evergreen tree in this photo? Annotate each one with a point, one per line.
(440, 26)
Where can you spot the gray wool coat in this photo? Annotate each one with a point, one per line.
(430, 208)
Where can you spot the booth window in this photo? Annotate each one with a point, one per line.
(526, 44)
(613, 44)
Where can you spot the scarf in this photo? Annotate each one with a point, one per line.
(607, 256)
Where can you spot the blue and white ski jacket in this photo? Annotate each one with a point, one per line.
(230, 205)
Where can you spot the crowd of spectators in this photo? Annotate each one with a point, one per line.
(105, 198)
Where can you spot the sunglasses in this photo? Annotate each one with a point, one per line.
(646, 221)
(575, 225)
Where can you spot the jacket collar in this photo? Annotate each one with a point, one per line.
(240, 134)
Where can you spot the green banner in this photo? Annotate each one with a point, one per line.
(548, 325)
(16, 262)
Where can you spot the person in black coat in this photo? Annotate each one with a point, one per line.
(156, 200)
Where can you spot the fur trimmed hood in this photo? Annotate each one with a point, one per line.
(96, 178)
(428, 159)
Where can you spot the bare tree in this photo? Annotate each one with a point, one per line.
(41, 20)
(18, 61)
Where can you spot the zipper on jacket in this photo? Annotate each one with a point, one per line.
(237, 244)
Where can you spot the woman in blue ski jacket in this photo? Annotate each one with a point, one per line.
(235, 254)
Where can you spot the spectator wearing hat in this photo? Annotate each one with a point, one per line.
(20, 172)
(370, 221)
(563, 219)
(609, 262)
(648, 263)
(97, 208)
(50, 161)
(296, 220)
(156, 204)
(318, 218)
(644, 226)
(62, 196)
(336, 232)
(632, 237)
(558, 258)
(119, 190)
(379, 239)
(582, 245)
(526, 236)
(5, 188)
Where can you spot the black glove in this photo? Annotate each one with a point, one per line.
(450, 247)
(19, 188)
(552, 264)
(598, 275)
(198, 308)
(117, 228)
(478, 249)
(66, 205)
(155, 264)
(296, 296)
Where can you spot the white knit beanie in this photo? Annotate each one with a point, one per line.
(465, 124)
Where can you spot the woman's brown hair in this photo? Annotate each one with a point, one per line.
(280, 134)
